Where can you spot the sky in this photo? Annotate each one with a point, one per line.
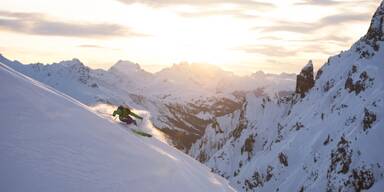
(243, 36)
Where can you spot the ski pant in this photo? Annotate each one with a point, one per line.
(128, 120)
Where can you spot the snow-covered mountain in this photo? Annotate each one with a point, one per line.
(181, 82)
(51, 142)
(181, 99)
(325, 137)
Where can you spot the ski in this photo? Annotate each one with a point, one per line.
(140, 133)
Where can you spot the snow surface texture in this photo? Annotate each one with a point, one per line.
(51, 142)
(330, 140)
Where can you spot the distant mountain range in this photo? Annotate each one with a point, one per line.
(181, 98)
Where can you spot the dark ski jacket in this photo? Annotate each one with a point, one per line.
(124, 113)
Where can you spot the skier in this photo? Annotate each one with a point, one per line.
(125, 115)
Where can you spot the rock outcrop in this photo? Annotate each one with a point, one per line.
(375, 31)
(305, 80)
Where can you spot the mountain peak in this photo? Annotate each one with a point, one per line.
(7, 61)
(127, 68)
(375, 30)
(71, 63)
(185, 70)
(258, 74)
(76, 60)
(374, 34)
(2, 58)
(309, 66)
(125, 65)
(185, 66)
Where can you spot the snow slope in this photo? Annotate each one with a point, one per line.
(51, 142)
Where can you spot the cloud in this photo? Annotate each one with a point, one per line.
(92, 46)
(289, 27)
(268, 50)
(324, 38)
(305, 28)
(336, 38)
(38, 24)
(197, 2)
(218, 12)
(21, 15)
(207, 8)
(318, 2)
(279, 51)
(336, 2)
(344, 18)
